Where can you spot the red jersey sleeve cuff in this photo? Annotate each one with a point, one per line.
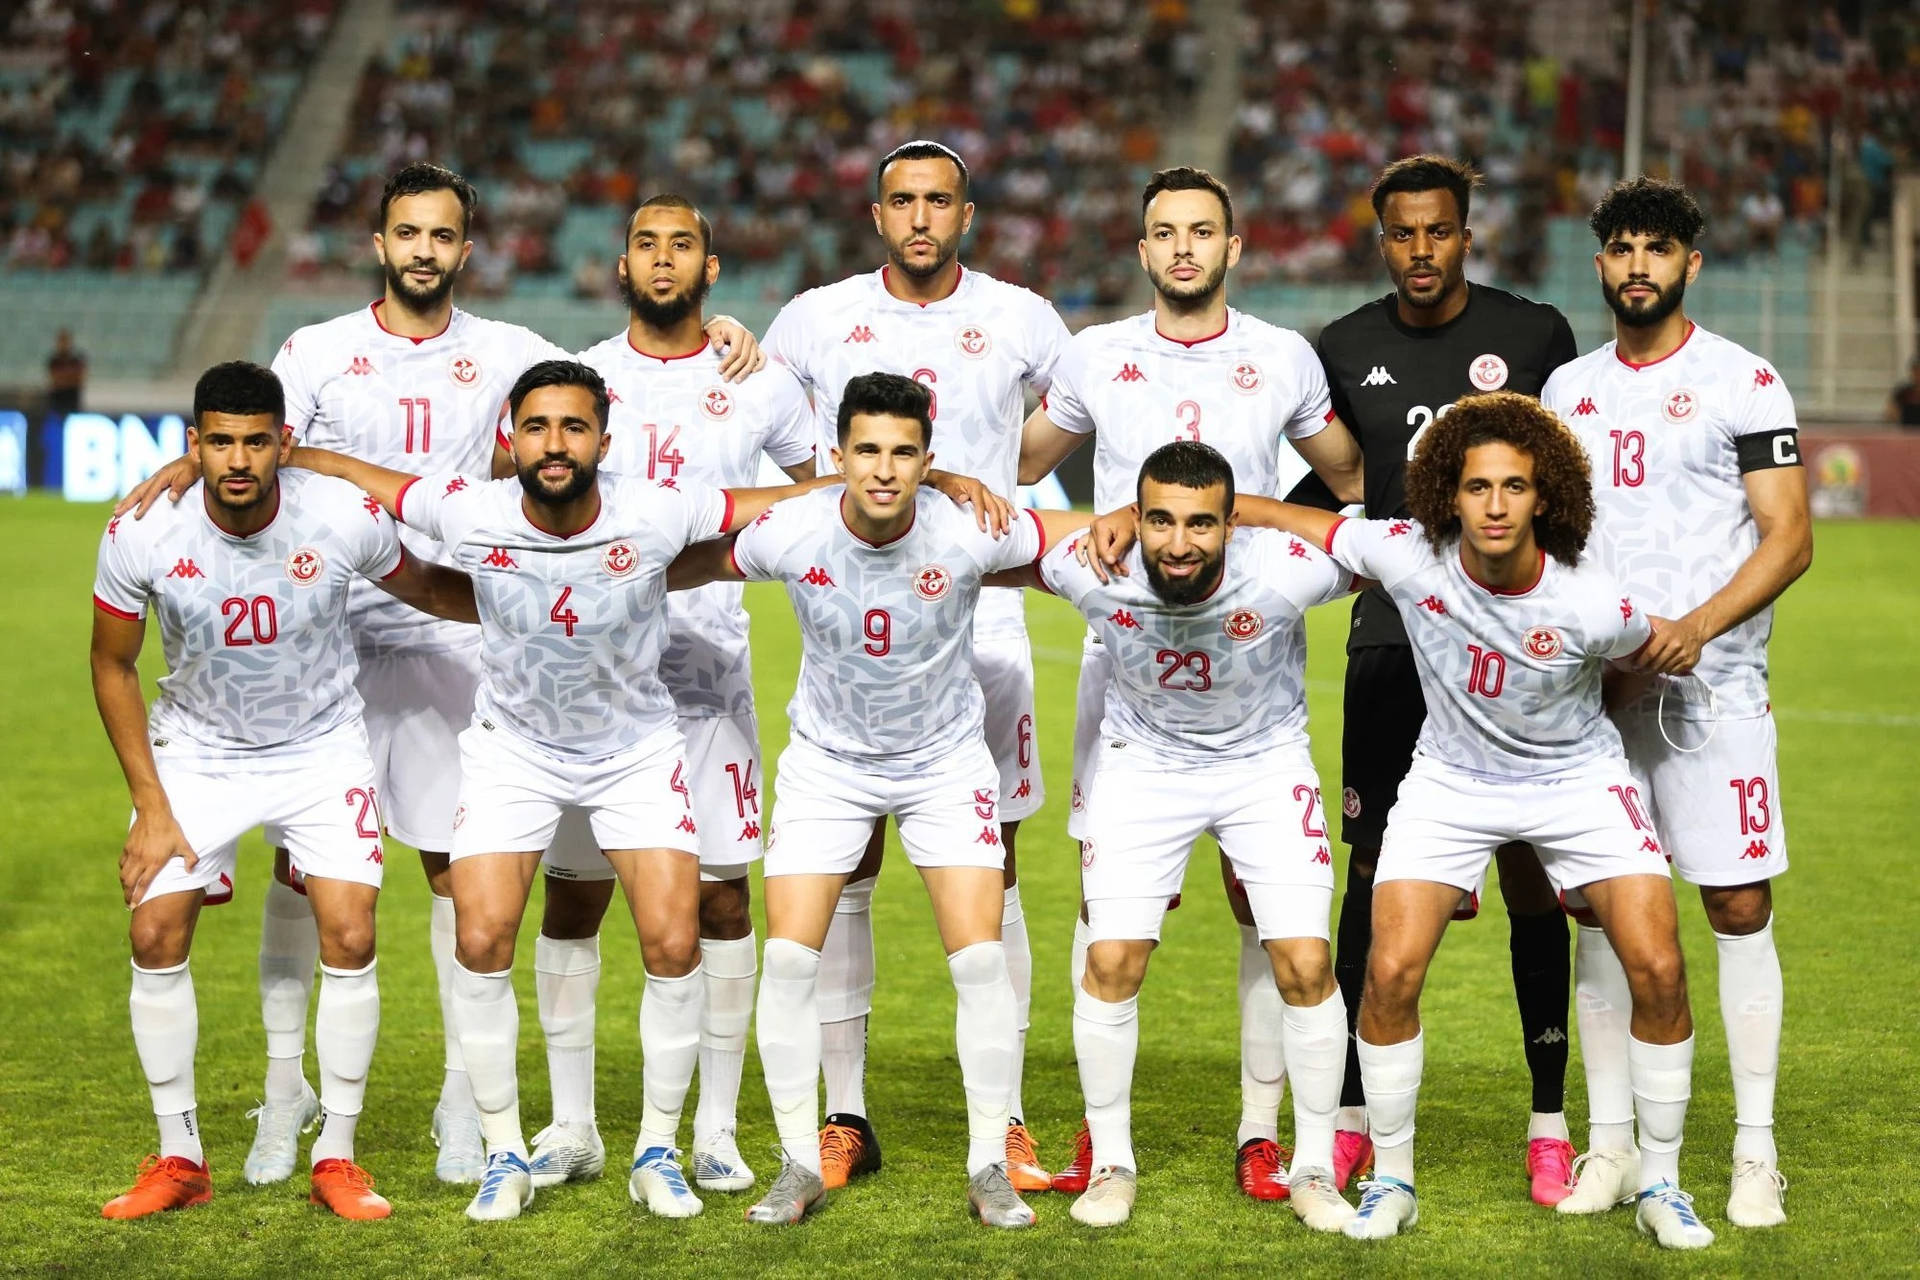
(399, 563)
(504, 440)
(104, 607)
(1041, 531)
(1331, 415)
(1326, 544)
(726, 517)
(400, 499)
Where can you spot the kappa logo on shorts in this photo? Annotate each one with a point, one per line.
(1086, 854)
(304, 566)
(1321, 857)
(1756, 850)
(621, 560)
(973, 342)
(750, 832)
(1350, 802)
(932, 582)
(987, 836)
(983, 803)
(1650, 845)
(686, 824)
(1488, 372)
(1024, 790)
(377, 858)
(1543, 643)
(1244, 624)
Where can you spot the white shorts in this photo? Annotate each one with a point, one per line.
(1586, 826)
(1718, 807)
(1142, 819)
(948, 813)
(324, 809)
(1004, 667)
(417, 705)
(513, 796)
(1089, 710)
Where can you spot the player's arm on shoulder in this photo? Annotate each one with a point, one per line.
(1045, 445)
(383, 483)
(752, 554)
(155, 836)
(993, 513)
(743, 356)
(1032, 535)
(1308, 523)
(431, 588)
(748, 505)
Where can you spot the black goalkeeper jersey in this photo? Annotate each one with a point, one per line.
(1390, 380)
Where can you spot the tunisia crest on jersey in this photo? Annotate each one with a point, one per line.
(305, 566)
(1243, 624)
(1680, 406)
(1488, 372)
(973, 341)
(716, 404)
(932, 582)
(1247, 377)
(1543, 643)
(463, 371)
(620, 560)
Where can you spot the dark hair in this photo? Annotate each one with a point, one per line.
(1188, 464)
(887, 394)
(1649, 206)
(668, 200)
(560, 373)
(418, 179)
(1187, 178)
(921, 149)
(1560, 471)
(1426, 173)
(240, 387)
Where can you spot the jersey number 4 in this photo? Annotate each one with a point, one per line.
(561, 614)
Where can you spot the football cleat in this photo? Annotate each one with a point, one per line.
(1023, 1162)
(1317, 1202)
(463, 1156)
(1387, 1205)
(171, 1183)
(1666, 1213)
(796, 1192)
(566, 1153)
(276, 1137)
(347, 1189)
(1602, 1180)
(1108, 1200)
(1075, 1178)
(506, 1189)
(1260, 1167)
(1759, 1195)
(995, 1201)
(717, 1165)
(1550, 1170)
(848, 1149)
(657, 1183)
(1352, 1156)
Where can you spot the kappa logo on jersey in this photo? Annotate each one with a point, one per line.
(1543, 642)
(185, 569)
(1296, 548)
(621, 559)
(1626, 609)
(973, 342)
(372, 504)
(932, 582)
(1763, 377)
(716, 404)
(455, 485)
(1756, 850)
(1585, 407)
(1247, 377)
(1121, 618)
(304, 566)
(764, 516)
(1243, 624)
(499, 559)
(359, 367)
(1488, 372)
(113, 527)
(983, 803)
(861, 333)
(815, 576)
(1129, 372)
(1680, 406)
(463, 371)
(1378, 377)
(1433, 604)
(1399, 528)
(1350, 802)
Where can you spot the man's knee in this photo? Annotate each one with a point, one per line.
(158, 941)
(1302, 969)
(672, 950)
(1738, 910)
(1657, 978)
(1394, 979)
(1115, 969)
(725, 909)
(347, 943)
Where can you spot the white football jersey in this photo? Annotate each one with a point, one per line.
(410, 404)
(676, 419)
(1221, 679)
(1511, 678)
(572, 623)
(1669, 443)
(976, 350)
(886, 656)
(1247, 392)
(255, 630)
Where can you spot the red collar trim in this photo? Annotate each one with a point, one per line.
(705, 342)
(527, 515)
(206, 508)
(1648, 364)
(1221, 332)
(375, 309)
(1539, 573)
(841, 506)
(959, 274)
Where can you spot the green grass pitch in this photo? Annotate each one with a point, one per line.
(75, 1116)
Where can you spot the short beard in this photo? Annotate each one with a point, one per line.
(411, 296)
(1664, 304)
(1448, 283)
(667, 314)
(261, 491)
(1197, 294)
(575, 488)
(947, 249)
(1188, 591)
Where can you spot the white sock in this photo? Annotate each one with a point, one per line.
(1751, 996)
(1548, 1124)
(787, 1022)
(1263, 1059)
(1316, 1049)
(1604, 1010)
(289, 947)
(166, 1030)
(1391, 1075)
(1662, 1082)
(846, 998)
(566, 979)
(730, 966)
(456, 1094)
(1106, 1040)
(985, 1032)
(344, 1032)
(670, 1013)
(489, 1022)
(1350, 1120)
(1013, 933)
(1077, 961)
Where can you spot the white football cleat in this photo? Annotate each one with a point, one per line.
(1108, 1199)
(717, 1165)
(1317, 1202)
(463, 1156)
(564, 1153)
(1758, 1197)
(1666, 1213)
(506, 1189)
(1387, 1206)
(994, 1201)
(1603, 1180)
(657, 1183)
(276, 1140)
(795, 1193)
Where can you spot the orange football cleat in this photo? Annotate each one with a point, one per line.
(848, 1149)
(1023, 1162)
(347, 1189)
(1072, 1180)
(1260, 1167)
(171, 1183)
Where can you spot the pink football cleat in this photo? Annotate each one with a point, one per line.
(1352, 1156)
(1550, 1170)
